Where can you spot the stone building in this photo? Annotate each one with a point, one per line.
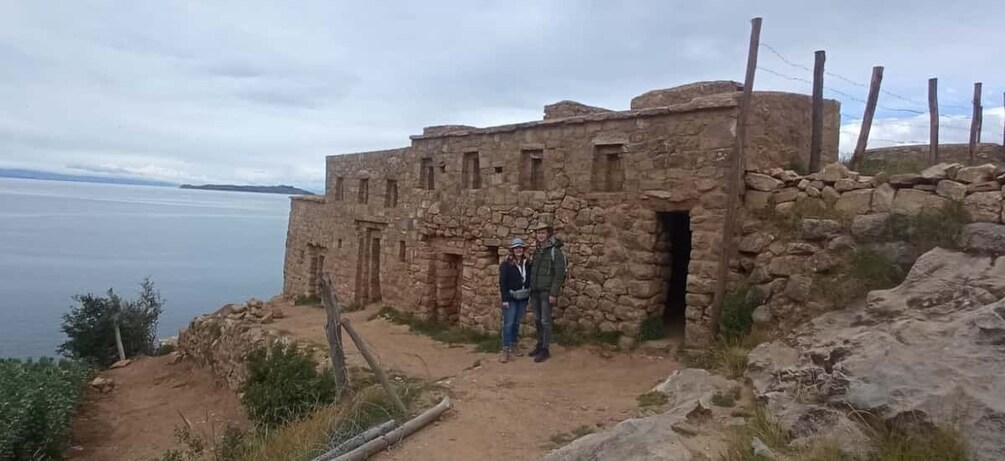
(637, 196)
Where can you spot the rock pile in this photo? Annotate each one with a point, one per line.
(253, 310)
(930, 351)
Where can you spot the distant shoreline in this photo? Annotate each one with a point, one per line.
(286, 190)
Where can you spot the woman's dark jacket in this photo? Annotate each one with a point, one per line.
(509, 279)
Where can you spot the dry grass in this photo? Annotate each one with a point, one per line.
(652, 399)
(761, 425)
(564, 438)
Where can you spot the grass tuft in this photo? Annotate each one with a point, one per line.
(442, 332)
(726, 399)
(564, 438)
(652, 329)
(305, 300)
(652, 399)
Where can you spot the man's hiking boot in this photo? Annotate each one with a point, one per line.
(537, 350)
(542, 356)
(504, 355)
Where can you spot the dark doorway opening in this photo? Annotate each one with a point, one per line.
(448, 273)
(673, 245)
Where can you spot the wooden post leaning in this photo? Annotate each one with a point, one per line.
(333, 330)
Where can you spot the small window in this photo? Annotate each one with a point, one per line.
(471, 175)
(340, 243)
(364, 190)
(401, 250)
(532, 170)
(391, 194)
(608, 172)
(426, 171)
(339, 188)
(499, 170)
(493, 254)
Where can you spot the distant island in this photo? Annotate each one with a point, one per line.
(49, 176)
(287, 190)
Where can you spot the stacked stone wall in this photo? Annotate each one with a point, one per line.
(949, 153)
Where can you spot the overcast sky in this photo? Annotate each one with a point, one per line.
(259, 92)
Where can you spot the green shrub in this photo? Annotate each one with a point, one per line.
(230, 446)
(283, 385)
(37, 402)
(726, 399)
(738, 307)
(90, 326)
(165, 349)
(305, 300)
(652, 329)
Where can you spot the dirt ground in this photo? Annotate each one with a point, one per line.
(136, 421)
(501, 411)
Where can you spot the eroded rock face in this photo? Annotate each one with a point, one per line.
(933, 347)
(655, 438)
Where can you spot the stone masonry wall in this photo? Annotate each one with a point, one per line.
(672, 159)
(958, 153)
(785, 266)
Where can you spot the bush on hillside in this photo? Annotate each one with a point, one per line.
(737, 312)
(37, 401)
(90, 325)
(283, 385)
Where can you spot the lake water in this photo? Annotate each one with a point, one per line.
(202, 249)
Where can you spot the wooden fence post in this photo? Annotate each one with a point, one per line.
(870, 111)
(736, 168)
(933, 121)
(975, 122)
(333, 330)
(370, 360)
(816, 133)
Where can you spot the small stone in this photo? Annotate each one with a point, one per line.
(812, 191)
(842, 242)
(983, 187)
(761, 315)
(925, 187)
(755, 243)
(798, 288)
(951, 190)
(762, 182)
(834, 172)
(975, 174)
(855, 202)
(936, 172)
(882, 198)
(821, 262)
(277, 313)
(801, 248)
(803, 184)
(756, 200)
(760, 449)
(121, 364)
(905, 179)
(868, 227)
(830, 194)
(984, 206)
(786, 195)
(844, 185)
(817, 229)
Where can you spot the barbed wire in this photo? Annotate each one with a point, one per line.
(789, 62)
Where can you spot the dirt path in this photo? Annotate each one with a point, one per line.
(136, 421)
(502, 411)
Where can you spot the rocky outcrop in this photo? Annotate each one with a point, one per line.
(931, 349)
(654, 438)
(564, 109)
(683, 94)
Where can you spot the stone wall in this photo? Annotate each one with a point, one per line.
(786, 266)
(600, 178)
(959, 153)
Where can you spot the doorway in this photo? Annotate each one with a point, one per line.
(368, 268)
(673, 246)
(448, 283)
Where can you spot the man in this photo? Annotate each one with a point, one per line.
(547, 275)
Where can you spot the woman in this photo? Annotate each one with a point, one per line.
(514, 287)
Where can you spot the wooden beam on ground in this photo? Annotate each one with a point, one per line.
(975, 122)
(398, 434)
(933, 121)
(370, 360)
(870, 111)
(357, 441)
(333, 330)
(736, 168)
(817, 118)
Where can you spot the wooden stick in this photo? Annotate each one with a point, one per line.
(933, 121)
(975, 122)
(355, 442)
(398, 434)
(870, 111)
(118, 339)
(370, 360)
(333, 312)
(736, 168)
(817, 118)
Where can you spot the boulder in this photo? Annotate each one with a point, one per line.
(818, 229)
(833, 172)
(984, 206)
(798, 288)
(951, 190)
(929, 349)
(974, 174)
(829, 194)
(855, 202)
(985, 238)
(762, 182)
(786, 195)
(845, 185)
(882, 198)
(870, 226)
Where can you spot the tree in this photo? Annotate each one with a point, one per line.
(90, 326)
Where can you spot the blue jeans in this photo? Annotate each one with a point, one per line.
(512, 317)
(542, 317)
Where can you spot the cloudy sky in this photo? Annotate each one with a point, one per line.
(259, 92)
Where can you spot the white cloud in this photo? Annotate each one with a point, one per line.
(260, 91)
